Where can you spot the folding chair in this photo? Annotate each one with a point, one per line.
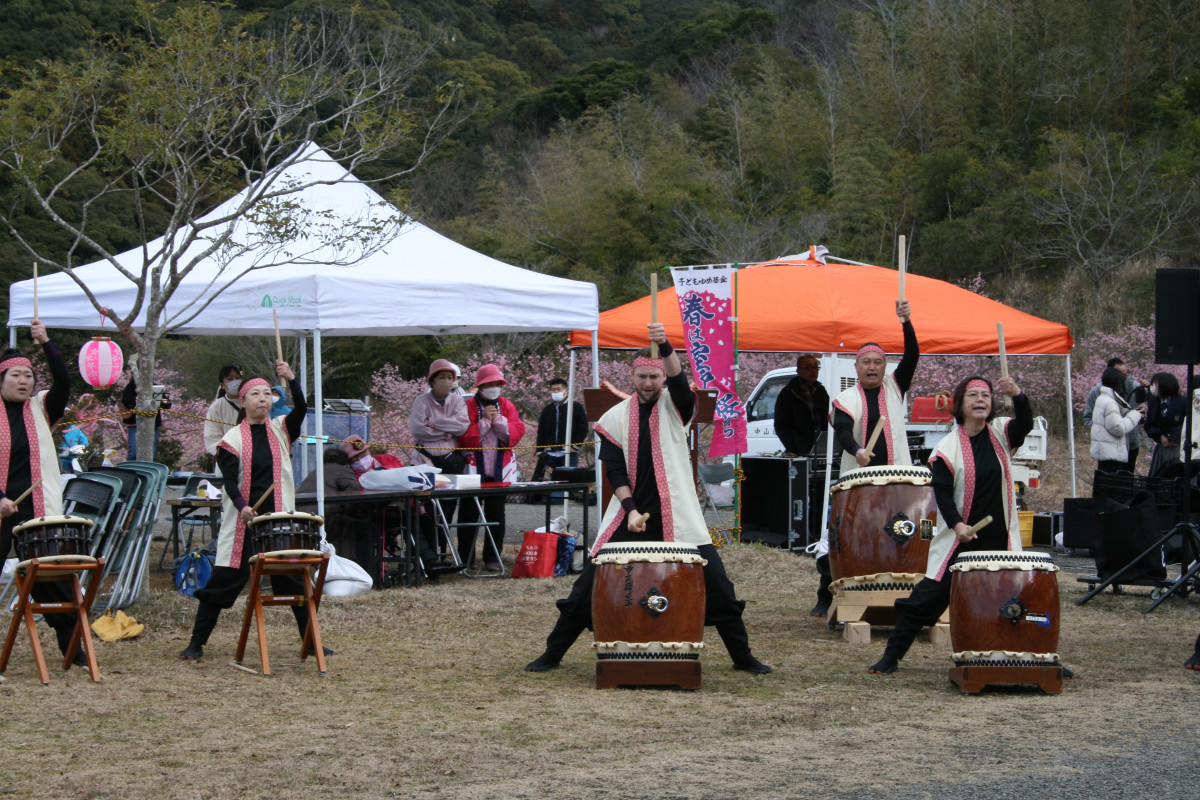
(209, 517)
(714, 475)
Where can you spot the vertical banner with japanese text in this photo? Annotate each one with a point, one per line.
(706, 305)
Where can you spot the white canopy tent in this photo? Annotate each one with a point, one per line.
(406, 279)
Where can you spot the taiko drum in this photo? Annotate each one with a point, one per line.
(1004, 608)
(284, 530)
(53, 536)
(648, 602)
(881, 522)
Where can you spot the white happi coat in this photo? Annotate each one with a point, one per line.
(955, 452)
(682, 518)
(47, 497)
(231, 538)
(853, 401)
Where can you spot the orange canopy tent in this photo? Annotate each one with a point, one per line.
(804, 305)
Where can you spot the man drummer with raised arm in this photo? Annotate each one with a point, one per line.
(644, 450)
(857, 410)
(28, 458)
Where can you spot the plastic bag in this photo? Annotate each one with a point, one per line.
(418, 477)
(344, 577)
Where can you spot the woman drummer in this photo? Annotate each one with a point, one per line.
(27, 454)
(253, 457)
(972, 479)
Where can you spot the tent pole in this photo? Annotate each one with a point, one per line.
(828, 459)
(303, 383)
(1071, 427)
(319, 404)
(570, 417)
(596, 436)
(12, 337)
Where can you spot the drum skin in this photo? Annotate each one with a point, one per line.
(53, 536)
(284, 531)
(859, 543)
(621, 611)
(979, 599)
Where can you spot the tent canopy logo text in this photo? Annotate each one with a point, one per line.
(281, 301)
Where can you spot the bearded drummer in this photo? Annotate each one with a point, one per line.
(855, 413)
(253, 457)
(644, 450)
(972, 479)
(27, 454)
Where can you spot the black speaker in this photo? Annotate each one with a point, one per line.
(775, 501)
(1177, 316)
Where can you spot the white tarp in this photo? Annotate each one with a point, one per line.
(420, 283)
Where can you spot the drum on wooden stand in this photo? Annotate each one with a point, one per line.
(53, 536)
(1004, 615)
(284, 530)
(882, 521)
(648, 603)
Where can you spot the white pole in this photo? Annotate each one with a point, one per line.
(829, 455)
(12, 337)
(304, 385)
(570, 418)
(319, 403)
(1071, 427)
(596, 436)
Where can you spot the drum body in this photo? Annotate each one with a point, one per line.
(1004, 609)
(53, 536)
(881, 524)
(284, 530)
(648, 602)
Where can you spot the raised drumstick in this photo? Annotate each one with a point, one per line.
(654, 309)
(278, 343)
(35, 299)
(903, 266)
(1003, 350)
(265, 495)
(875, 436)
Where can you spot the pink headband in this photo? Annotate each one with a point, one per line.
(17, 361)
(977, 384)
(250, 384)
(869, 348)
(646, 361)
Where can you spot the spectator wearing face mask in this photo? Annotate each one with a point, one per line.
(361, 459)
(552, 438)
(279, 406)
(345, 526)
(226, 410)
(495, 426)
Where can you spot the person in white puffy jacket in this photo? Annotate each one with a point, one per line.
(1112, 420)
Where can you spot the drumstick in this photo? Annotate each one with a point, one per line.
(278, 343)
(265, 495)
(978, 526)
(1003, 350)
(243, 667)
(645, 517)
(27, 492)
(35, 299)
(903, 266)
(654, 309)
(875, 436)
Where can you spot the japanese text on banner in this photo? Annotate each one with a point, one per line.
(706, 305)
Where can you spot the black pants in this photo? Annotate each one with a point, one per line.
(222, 591)
(1113, 466)
(823, 594)
(493, 511)
(42, 592)
(722, 610)
(928, 601)
(428, 546)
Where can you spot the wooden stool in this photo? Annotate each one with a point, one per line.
(55, 569)
(973, 679)
(285, 562)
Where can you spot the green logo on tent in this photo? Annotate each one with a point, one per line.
(281, 301)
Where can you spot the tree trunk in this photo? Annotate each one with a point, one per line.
(143, 373)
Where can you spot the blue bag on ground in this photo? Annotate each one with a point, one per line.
(566, 549)
(192, 571)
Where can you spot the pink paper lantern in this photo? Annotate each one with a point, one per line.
(100, 362)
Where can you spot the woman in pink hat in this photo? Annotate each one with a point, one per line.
(495, 427)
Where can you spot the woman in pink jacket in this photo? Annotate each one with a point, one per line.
(495, 426)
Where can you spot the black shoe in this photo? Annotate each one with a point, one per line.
(542, 663)
(434, 570)
(752, 665)
(821, 609)
(80, 657)
(324, 650)
(884, 666)
(1193, 662)
(193, 652)
(1067, 674)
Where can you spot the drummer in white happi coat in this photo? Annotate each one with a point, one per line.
(252, 457)
(855, 412)
(972, 480)
(27, 455)
(645, 454)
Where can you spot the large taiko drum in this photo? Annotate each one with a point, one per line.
(53, 536)
(880, 527)
(1004, 609)
(648, 602)
(284, 530)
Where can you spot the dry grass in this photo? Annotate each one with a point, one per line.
(426, 696)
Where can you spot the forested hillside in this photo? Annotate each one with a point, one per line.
(1050, 145)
